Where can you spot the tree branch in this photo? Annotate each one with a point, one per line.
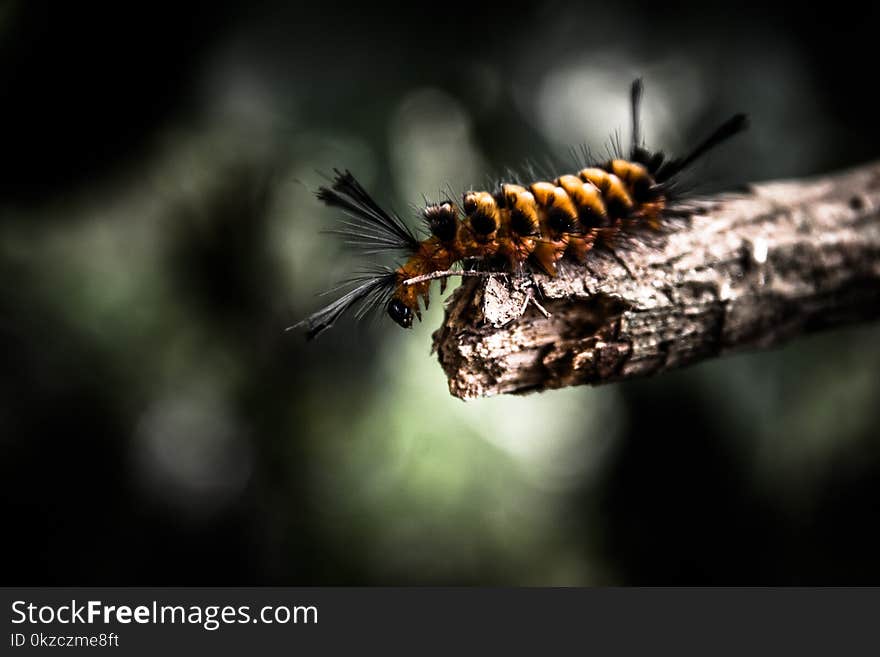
(742, 271)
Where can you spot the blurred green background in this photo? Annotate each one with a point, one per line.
(158, 231)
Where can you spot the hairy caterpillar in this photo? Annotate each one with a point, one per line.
(516, 225)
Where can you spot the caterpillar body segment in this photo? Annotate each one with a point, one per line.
(635, 176)
(587, 199)
(516, 225)
(521, 225)
(617, 198)
(483, 215)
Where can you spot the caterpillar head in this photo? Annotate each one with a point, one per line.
(400, 313)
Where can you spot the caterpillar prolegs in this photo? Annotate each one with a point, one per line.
(517, 225)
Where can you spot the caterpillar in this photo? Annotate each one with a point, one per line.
(516, 226)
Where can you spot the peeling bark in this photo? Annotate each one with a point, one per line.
(746, 270)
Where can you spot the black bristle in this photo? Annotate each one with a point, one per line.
(372, 290)
(372, 228)
(636, 104)
(734, 125)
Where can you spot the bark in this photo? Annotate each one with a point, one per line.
(740, 271)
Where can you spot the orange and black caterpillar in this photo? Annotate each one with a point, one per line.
(516, 224)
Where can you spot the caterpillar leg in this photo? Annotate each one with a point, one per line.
(580, 245)
(548, 252)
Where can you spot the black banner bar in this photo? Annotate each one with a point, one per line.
(147, 621)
